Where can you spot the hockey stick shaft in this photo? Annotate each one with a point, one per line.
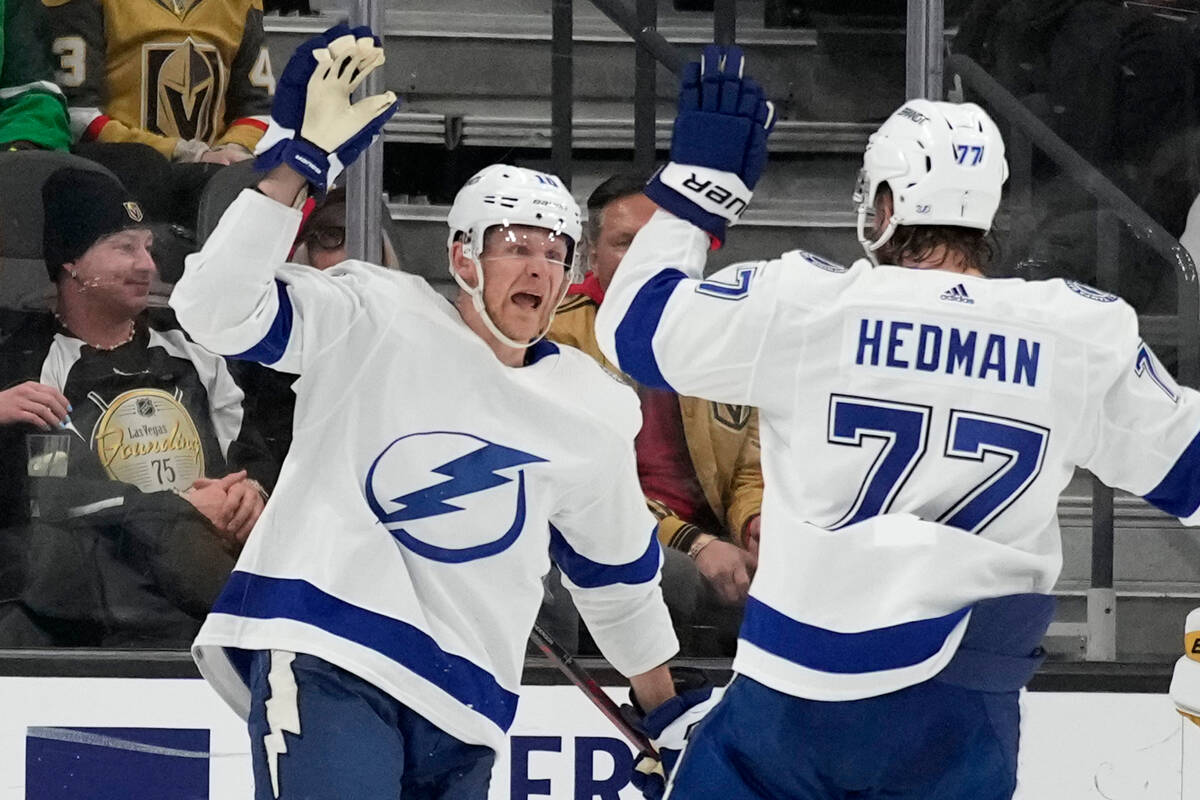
(567, 664)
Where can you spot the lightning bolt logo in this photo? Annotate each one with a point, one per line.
(474, 472)
(283, 711)
(468, 474)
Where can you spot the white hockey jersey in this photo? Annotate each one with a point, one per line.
(427, 487)
(917, 429)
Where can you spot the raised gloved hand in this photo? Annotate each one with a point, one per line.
(1185, 683)
(314, 128)
(668, 727)
(291, 91)
(718, 146)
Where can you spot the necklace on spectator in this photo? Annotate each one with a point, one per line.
(105, 347)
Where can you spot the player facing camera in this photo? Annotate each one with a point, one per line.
(512, 251)
(404, 701)
(930, 186)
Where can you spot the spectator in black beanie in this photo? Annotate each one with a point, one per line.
(132, 546)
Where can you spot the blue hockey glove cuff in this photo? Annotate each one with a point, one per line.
(707, 198)
(668, 727)
(309, 160)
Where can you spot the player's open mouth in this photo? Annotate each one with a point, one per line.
(527, 300)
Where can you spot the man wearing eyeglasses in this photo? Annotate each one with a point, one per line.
(322, 239)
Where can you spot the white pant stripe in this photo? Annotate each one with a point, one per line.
(283, 711)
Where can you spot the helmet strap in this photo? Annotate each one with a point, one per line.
(868, 246)
(476, 294)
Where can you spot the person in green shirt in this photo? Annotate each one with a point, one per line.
(33, 111)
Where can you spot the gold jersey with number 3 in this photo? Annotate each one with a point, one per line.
(161, 71)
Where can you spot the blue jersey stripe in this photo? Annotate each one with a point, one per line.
(635, 334)
(1179, 492)
(590, 574)
(271, 347)
(539, 350)
(260, 597)
(848, 653)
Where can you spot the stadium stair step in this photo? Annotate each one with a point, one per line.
(484, 123)
(476, 80)
(1156, 575)
(419, 233)
(442, 54)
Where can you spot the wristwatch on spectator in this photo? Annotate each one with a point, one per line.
(258, 487)
(699, 543)
(189, 150)
(241, 148)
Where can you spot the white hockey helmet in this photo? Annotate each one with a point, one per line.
(504, 195)
(944, 163)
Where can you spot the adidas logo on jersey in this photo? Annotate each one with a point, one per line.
(958, 294)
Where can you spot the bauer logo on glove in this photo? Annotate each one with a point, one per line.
(705, 188)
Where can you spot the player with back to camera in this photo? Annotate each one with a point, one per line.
(918, 424)
(374, 629)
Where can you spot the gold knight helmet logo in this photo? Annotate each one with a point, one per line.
(731, 416)
(187, 89)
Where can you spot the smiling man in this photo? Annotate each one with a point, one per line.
(132, 546)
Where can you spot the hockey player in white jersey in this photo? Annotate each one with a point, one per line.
(918, 424)
(374, 629)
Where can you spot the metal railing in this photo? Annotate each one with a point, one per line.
(1142, 226)
(640, 24)
(924, 49)
(364, 178)
(1115, 207)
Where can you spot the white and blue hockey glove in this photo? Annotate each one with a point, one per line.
(314, 128)
(668, 727)
(1185, 683)
(718, 146)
